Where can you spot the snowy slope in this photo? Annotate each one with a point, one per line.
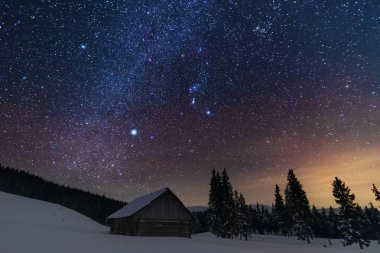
(32, 226)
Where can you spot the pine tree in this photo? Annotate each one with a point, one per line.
(324, 224)
(279, 211)
(242, 216)
(377, 196)
(238, 216)
(259, 219)
(297, 205)
(373, 216)
(351, 222)
(300, 229)
(214, 209)
(376, 192)
(333, 224)
(317, 222)
(227, 207)
(254, 221)
(201, 222)
(273, 226)
(265, 219)
(363, 221)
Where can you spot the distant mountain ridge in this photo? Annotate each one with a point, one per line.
(197, 208)
(204, 208)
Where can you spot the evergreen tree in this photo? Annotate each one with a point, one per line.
(351, 222)
(272, 226)
(278, 212)
(227, 207)
(238, 215)
(373, 217)
(324, 224)
(259, 219)
(254, 220)
(242, 217)
(333, 224)
(215, 203)
(297, 205)
(317, 225)
(364, 222)
(221, 205)
(266, 220)
(376, 192)
(377, 196)
(300, 229)
(201, 222)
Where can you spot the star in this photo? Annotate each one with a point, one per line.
(133, 132)
(209, 113)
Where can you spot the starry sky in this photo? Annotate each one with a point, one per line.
(125, 97)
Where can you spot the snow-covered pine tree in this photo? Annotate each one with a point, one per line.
(266, 219)
(351, 221)
(364, 222)
(301, 229)
(238, 216)
(317, 222)
(279, 212)
(228, 216)
(253, 220)
(333, 224)
(271, 224)
(373, 216)
(324, 224)
(259, 219)
(298, 207)
(214, 203)
(242, 216)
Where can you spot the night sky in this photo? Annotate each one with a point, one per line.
(125, 97)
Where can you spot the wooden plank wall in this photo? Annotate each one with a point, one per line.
(164, 228)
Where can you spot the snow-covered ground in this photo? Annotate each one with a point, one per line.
(32, 226)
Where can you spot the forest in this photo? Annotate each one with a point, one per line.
(229, 216)
(22, 183)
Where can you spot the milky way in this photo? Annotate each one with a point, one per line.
(125, 97)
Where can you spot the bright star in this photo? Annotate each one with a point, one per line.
(133, 132)
(83, 46)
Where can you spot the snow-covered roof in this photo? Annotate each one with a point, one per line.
(137, 204)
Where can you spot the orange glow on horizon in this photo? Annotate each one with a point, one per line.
(358, 169)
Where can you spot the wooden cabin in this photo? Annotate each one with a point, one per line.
(159, 213)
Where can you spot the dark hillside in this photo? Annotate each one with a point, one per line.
(22, 183)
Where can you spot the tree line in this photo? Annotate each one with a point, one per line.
(22, 183)
(229, 216)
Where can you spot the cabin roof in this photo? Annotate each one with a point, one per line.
(137, 204)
